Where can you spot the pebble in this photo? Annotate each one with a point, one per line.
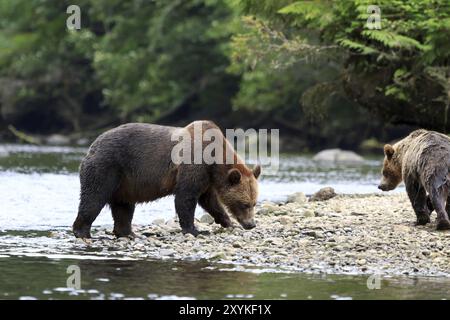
(298, 197)
(206, 218)
(309, 214)
(323, 194)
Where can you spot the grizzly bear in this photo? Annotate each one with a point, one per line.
(133, 163)
(422, 161)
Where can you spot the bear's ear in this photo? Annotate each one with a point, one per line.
(257, 171)
(234, 176)
(388, 151)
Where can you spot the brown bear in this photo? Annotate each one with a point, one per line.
(422, 161)
(133, 163)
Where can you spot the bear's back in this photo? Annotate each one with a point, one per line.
(426, 152)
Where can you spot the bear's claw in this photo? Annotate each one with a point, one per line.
(195, 232)
(443, 224)
(423, 220)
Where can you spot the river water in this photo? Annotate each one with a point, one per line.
(39, 190)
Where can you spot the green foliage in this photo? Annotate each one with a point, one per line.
(175, 55)
(303, 66)
(382, 69)
(139, 59)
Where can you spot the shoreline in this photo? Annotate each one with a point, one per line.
(359, 234)
(348, 235)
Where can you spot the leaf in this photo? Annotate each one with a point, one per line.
(356, 46)
(318, 12)
(393, 40)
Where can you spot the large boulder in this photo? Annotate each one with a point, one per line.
(338, 156)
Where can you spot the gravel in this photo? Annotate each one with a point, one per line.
(348, 234)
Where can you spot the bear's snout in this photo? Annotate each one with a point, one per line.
(248, 225)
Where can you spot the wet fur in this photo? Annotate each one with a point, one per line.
(132, 164)
(422, 161)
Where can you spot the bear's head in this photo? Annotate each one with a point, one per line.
(392, 170)
(239, 195)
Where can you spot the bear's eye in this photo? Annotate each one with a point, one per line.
(245, 206)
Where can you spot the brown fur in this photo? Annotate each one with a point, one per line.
(132, 164)
(422, 161)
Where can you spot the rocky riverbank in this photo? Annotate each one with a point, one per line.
(364, 234)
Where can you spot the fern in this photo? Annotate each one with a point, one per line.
(393, 40)
(356, 46)
(318, 13)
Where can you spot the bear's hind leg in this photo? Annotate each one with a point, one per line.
(438, 196)
(88, 211)
(122, 214)
(419, 201)
(97, 187)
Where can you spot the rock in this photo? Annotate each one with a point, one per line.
(309, 214)
(338, 156)
(285, 220)
(263, 211)
(172, 224)
(237, 245)
(323, 194)
(189, 236)
(313, 233)
(280, 213)
(298, 197)
(166, 252)
(83, 241)
(159, 222)
(319, 235)
(275, 241)
(268, 208)
(206, 218)
(361, 262)
(57, 140)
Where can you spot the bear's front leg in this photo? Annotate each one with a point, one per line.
(419, 201)
(192, 181)
(185, 207)
(212, 205)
